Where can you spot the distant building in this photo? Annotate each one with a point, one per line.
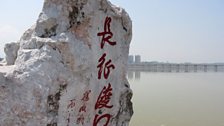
(137, 59)
(130, 59)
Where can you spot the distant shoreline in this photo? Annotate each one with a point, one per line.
(175, 67)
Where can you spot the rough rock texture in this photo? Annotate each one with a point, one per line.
(69, 69)
(11, 50)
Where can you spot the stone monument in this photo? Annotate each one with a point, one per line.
(69, 69)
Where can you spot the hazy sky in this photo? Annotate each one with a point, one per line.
(163, 30)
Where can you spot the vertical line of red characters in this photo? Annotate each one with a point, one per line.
(105, 67)
(82, 110)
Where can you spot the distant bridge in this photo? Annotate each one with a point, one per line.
(173, 67)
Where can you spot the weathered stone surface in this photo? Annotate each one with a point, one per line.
(69, 68)
(11, 50)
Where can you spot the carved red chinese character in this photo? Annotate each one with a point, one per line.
(71, 104)
(104, 68)
(80, 119)
(86, 95)
(106, 34)
(104, 98)
(98, 118)
(83, 109)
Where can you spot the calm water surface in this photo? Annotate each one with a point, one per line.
(177, 99)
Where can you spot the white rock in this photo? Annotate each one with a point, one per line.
(11, 50)
(56, 79)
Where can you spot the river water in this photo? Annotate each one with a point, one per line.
(177, 99)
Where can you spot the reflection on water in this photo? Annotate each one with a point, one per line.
(177, 99)
(130, 74)
(136, 73)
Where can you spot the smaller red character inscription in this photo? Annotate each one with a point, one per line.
(83, 109)
(98, 118)
(106, 68)
(86, 95)
(106, 34)
(68, 120)
(104, 98)
(71, 104)
(80, 119)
